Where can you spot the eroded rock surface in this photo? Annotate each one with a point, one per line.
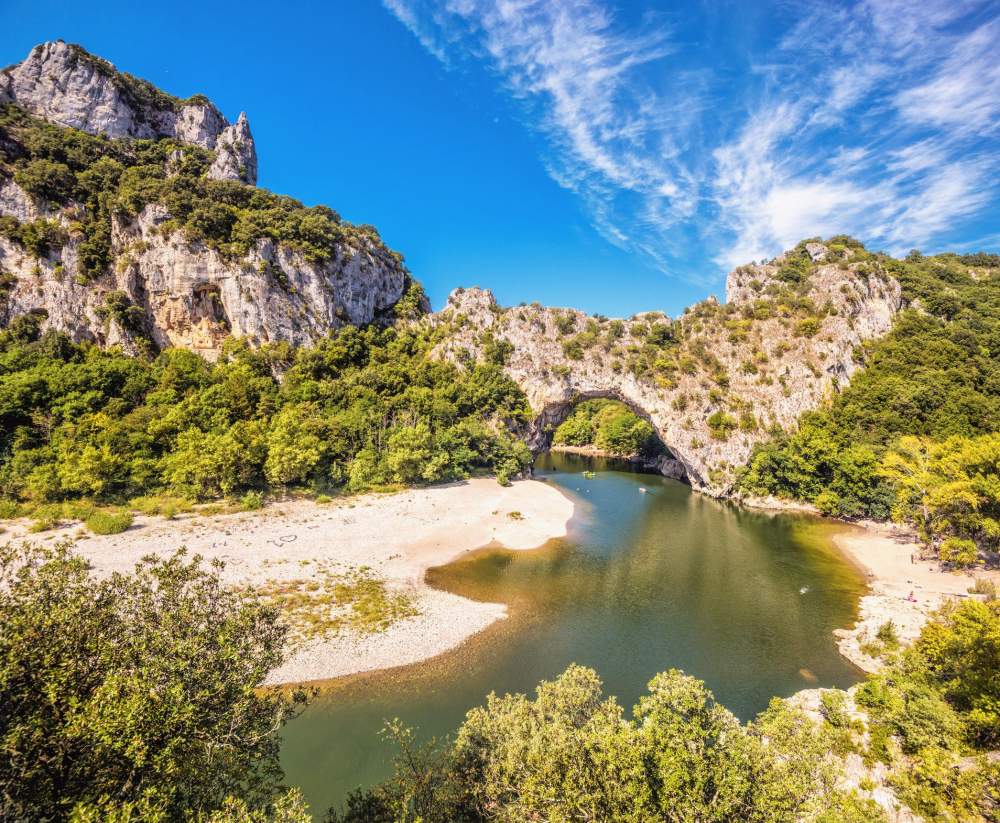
(164, 285)
(717, 382)
(190, 295)
(64, 84)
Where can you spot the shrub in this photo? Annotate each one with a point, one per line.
(252, 501)
(833, 707)
(9, 509)
(109, 522)
(959, 551)
(43, 523)
(808, 327)
(721, 425)
(887, 634)
(163, 505)
(985, 587)
(565, 323)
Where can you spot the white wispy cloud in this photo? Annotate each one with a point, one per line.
(877, 119)
(964, 92)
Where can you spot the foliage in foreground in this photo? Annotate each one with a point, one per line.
(607, 425)
(935, 710)
(914, 434)
(134, 697)
(570, 754)
(363, 408)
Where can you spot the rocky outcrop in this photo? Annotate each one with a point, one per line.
(235, 153)
(190, 295)
(64, 84)
(163, 287)
(730, 374)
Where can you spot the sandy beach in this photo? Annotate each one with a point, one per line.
(889, 557)
(399, 536)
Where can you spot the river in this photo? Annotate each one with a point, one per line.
(651, 576)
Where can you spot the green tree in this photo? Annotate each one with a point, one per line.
(961, 648)
(294, 446)
(145, 691)
(45, 179)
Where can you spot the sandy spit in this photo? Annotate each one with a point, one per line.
(398, 535)
(902, 587)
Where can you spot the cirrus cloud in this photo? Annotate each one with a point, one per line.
(877, 119)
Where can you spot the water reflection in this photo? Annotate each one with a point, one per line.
(643, 582)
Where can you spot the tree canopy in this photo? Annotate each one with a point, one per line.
(364, 408)
(136, 695)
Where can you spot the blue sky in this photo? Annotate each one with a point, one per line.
(617, 157)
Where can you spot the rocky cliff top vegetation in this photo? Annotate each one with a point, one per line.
(914, 434)
(714, 381)
(80, 181)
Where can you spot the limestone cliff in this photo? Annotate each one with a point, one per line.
(153, 236)
(715, 381)
(64, 84)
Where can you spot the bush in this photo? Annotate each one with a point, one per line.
(961, 650)
(252, 501)
(106, 522)
(887, 634)
(161, 504)
(721, 425)
(43, 523)
(9, 509)
(985, 587)
(145, 695)
(958, 550)
(833, 707)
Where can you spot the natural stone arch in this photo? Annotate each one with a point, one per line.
(767, 367)
(544, 424)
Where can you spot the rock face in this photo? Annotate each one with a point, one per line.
(161, 285)
(190, 295)
(747, 366)
(66, 85)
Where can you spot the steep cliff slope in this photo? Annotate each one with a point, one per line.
(715, 381)
(126, 217)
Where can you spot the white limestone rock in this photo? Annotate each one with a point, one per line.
(192, 296)
(801, 370)
(64, 84)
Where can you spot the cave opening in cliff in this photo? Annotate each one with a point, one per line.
(605, 425)
(206, 304)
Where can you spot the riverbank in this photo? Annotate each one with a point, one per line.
(395, 536)
(903, 588)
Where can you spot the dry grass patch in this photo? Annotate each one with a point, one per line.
(330, 602)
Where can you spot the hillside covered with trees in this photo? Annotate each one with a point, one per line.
(608, 426)
(365, 408)
(916, 434)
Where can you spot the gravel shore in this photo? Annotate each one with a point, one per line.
(398, 536)
(890, 558)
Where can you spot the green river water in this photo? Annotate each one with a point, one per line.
(643, 582)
